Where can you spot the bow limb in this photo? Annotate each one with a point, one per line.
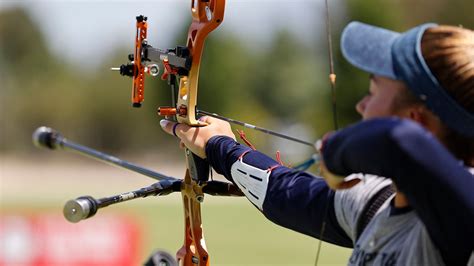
(193, 251)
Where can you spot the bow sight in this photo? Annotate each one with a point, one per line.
(181, 64)
(175, 61)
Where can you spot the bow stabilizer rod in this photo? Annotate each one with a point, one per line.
(45, 137)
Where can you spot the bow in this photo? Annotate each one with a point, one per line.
(181, 69)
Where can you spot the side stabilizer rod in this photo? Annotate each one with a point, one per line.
(86, 206)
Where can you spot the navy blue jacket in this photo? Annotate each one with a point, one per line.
(436, 184)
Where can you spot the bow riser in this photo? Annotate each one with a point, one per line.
(207, 16)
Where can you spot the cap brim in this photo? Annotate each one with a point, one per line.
(369, 48)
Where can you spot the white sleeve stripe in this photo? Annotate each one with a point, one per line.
(252, 176)
(256, 178)
(241, 185)
(250, 192)
(242, 171)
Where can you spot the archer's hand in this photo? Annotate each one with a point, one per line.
(196, 138)
(335, 182)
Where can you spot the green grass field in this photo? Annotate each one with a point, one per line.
(236, 234)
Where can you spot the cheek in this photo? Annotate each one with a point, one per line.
(376, 107)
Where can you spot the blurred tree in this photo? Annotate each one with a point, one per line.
(23, 47)
(452, 12)
(277, 85)
(288, 76)
(41, 89)
(25, 64)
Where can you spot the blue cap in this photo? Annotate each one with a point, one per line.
(398, 56)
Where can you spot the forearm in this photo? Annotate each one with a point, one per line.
(293, 199)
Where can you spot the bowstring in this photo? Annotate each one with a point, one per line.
(332, 80)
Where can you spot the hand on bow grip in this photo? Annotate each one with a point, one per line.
(196, 138)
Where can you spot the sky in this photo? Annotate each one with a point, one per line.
(86, 31)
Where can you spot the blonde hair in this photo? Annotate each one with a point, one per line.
(449, 53)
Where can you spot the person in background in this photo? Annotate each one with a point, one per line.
(398, 186)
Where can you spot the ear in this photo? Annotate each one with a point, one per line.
(426, 118)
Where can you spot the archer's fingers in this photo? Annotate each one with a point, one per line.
(208, 119)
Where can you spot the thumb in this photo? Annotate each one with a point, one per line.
(170, 127)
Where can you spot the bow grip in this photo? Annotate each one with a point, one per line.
(198, 167)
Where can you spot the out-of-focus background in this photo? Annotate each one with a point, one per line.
(267, 64)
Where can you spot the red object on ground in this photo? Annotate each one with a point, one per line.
(50, 240)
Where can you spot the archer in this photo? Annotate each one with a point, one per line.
(412, 201)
